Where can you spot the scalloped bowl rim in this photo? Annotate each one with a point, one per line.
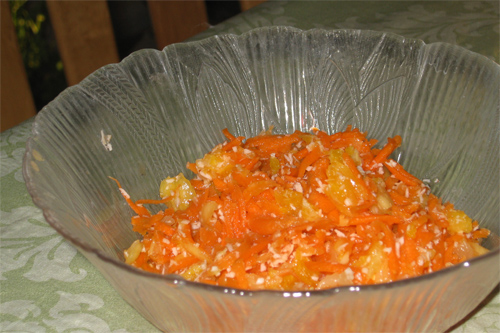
(178, 280)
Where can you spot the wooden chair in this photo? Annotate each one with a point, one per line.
(16, 100)
(86, 42)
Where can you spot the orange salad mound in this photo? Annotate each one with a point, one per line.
(301, 211)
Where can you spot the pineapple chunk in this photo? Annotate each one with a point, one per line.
(133, 252)
(156, 252)
(193, 271)
(215, 164)
(274, 164)
(383, 199)
(341, 251)
(293, 203)
(337, 279)
(458, 221)
(478, 249)
(309, 212)
(207, 211)
(289, 201)
(343, 187)
(375, 264)
(191, 248)
(300, 269)
(180, 189)
(354, 154)
(273, 279)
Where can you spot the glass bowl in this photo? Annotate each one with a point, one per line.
(144, 118)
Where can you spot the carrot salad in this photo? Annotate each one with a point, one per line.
(301, 211)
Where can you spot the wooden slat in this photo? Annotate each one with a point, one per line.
(175, 21)
(247, 4)
(84, 35)
(16, 99)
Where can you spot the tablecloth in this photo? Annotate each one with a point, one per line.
(47, 286)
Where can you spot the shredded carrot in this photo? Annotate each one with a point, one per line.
(301, 154)
(228, 134)
(234, 143)
(153, 202)
(301, 211)
(192, 167)
(389, 219)
(137, 207)
(326, 267)
(309, 159)
(397, 170)
(392, 144)
(322, 201)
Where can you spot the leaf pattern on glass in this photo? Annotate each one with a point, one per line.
(451, 25)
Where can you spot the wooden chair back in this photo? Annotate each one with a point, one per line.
(86, 42)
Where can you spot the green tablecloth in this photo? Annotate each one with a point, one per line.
(47, 286)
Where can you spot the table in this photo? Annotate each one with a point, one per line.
(46, 285)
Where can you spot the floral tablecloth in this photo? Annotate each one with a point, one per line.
(47, 286)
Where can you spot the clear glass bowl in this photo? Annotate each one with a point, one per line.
(165, 108)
